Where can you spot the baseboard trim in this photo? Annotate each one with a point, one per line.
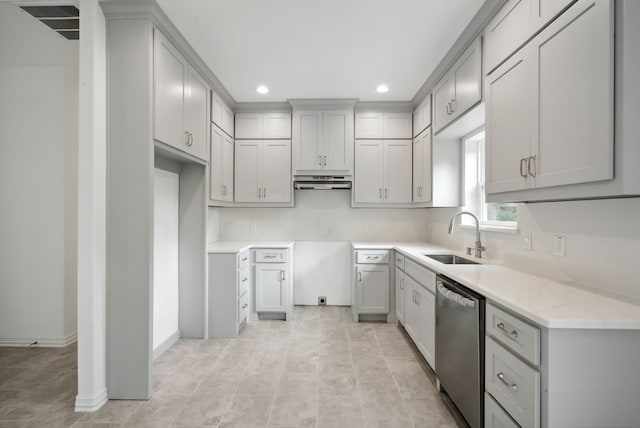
(91, 404)
(40, 342)
(168, 343)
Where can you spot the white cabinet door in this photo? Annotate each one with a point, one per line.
(307, 140)
(426, 343)
(508, 123)
(468, 80)
(397, 125)
(397, 171)
(196, 114)
(507, 31)
(573, 107)
(372, 289)
(276, 171)
(249, 126)
(443, 96)
(271, 286)
(369, 179)
(422, 116)
(248, 170)
(277, 125)
(216, 164)
(227, 169)
(337, 141)
(411, 313)
(422, 167)
(400, 292)
(369, 125)
(170, 70)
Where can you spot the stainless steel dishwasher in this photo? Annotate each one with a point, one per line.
(460, 348)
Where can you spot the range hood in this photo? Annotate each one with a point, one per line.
(322, 182)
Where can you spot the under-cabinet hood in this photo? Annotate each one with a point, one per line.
(322, 182)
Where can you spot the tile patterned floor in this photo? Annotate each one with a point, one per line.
(318, 370)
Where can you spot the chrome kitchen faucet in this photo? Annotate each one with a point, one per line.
(479, 247)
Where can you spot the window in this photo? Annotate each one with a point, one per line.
(499, 215)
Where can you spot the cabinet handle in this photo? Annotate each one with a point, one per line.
(186, 138)
(380, 193)
(283, 278)
(259, 192)
(453, 106)
(447, 108)
(512, 333)
(512, 386)
(523, 161)
(245, 306)
(244, 259)
(264, 192)
(372, 257)
(359, 276)
(244, 279)
(270, 256)
(402, 284)
(386, 193)
(190, 139)
(532, 160)
(320, 160)
(325, 160)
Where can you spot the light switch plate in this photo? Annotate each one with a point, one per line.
(559, 244)
(527, 239)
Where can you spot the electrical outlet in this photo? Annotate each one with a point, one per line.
(527, 238)
(559, 245)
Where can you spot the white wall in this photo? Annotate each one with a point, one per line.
(38, 178)
(319, 215)
(602, 242)
(166, 201)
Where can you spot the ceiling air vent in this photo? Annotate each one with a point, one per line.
(65, 20)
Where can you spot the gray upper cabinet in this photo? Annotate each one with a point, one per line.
(422, 116)
(221, 114)
(460, 89)
(550, 106)
(180, 116)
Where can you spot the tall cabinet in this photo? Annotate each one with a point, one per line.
(322, 137)
(383, 159)
(263, 158)
(221, 163)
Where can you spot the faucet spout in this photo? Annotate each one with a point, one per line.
(479, 247)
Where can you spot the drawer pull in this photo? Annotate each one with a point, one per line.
(244, 279)
(512, 386)
(372, 257)
(512, 333)
(245, 305)
(244, 259)
(270, 256)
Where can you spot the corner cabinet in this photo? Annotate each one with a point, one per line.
(263, 171)
(550, 106)
(220, 166)
(460, 89)
(383, 172)
(323, 141)
(181, 100)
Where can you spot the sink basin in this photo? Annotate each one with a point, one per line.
(450, 259)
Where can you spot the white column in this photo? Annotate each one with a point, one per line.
(92, 391)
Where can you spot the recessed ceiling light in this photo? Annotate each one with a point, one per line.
(382, 89)
(262, 89)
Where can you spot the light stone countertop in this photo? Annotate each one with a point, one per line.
(231, 247)
(546, 302)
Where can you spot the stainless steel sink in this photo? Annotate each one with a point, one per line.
(451, 259)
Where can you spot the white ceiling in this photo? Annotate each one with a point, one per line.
(321, 48)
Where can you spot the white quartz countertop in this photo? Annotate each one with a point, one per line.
(546, 302)
(230, 247)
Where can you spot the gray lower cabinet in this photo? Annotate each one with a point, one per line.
(272, 272)
(558, 377)
(370, 286)
(229, 285)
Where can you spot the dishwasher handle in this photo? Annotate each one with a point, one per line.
(455, 297)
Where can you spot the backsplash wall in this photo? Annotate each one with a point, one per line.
(602, 242)
(319, 215)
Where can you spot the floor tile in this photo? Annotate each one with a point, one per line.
(248, 411)
(338, 411)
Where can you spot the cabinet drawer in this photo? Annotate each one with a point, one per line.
(372, 256)
(243, 281)
(421, 274)
(243, 259)
(517, 335)
(495, 416)
(399, 261)
(243, 307)
(271, 255)
(514, 385)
